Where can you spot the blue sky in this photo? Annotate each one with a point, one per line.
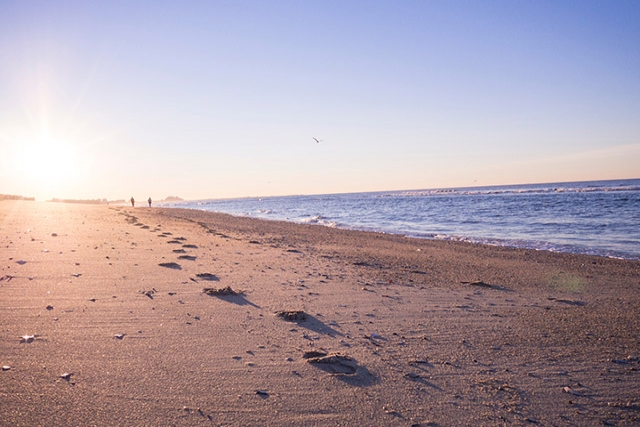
(223, 98)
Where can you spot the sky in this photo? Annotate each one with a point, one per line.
(220, 99)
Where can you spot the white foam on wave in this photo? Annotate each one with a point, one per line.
(515, 219)
(577, 187)
(318, 220)
(536, 245)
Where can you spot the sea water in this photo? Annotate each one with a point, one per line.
(597, 217)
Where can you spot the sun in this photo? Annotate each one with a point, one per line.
(47, 163)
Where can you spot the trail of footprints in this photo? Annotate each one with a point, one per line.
(334, 363)
(181, 252)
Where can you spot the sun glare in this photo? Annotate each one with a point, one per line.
(46, 163)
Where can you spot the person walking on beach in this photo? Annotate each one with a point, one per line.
(133, 202)
(149, 201)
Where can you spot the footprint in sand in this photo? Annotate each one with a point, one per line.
(336, 364)
(172, 265)
(207, 276)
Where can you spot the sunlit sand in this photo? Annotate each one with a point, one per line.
(104, 322)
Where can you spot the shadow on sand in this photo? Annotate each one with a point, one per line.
(480, 284)
(345, 369)
(422, 380)
(237, 299)
(315, 325)
(308, 321)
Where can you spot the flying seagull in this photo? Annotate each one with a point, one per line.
(317, 140)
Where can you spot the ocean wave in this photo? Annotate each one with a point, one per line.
(539, 246)
(537, 189)
(601, 222)
(317, 219)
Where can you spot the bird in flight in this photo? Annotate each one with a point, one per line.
(317, 140)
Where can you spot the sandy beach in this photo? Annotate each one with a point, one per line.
(115, 316)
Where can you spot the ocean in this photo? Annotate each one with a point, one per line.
(596, 218)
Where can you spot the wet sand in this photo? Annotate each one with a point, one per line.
(115, 316)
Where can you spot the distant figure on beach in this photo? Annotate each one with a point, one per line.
(133, 202)
(149, 201)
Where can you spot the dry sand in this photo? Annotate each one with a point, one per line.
(114, 297)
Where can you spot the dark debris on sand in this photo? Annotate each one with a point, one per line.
(312, 354)
(292, 315)
(221, 291)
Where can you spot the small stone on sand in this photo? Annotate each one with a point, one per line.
(27, 338)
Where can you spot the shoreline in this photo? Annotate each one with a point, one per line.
(317, 236)
(505, 243)
(425, 214)
(415, 331)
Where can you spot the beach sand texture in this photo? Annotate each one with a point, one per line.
(104, 320)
